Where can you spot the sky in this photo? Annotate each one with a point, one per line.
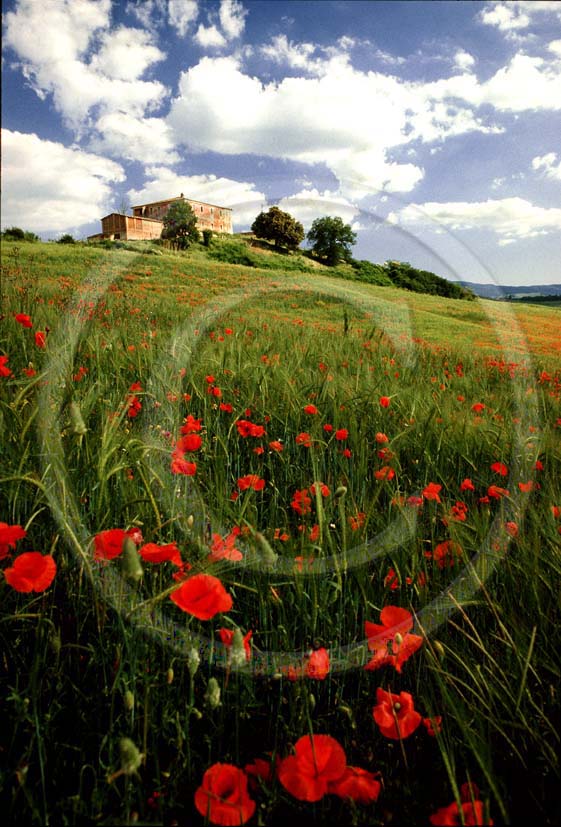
(432, 128)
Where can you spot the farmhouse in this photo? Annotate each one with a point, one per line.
(146, 222)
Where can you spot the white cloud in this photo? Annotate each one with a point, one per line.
(151, 13)
(148, 140)
(463, 60)
(52, 39)
(555, 47)
(515, 15)
(549, 165)
(125, 54)
(232, 18)
(241, 196)
(209, 37)
(510, 218)
(309, 204)
(50, 188)
(181, 13)
(300, 56)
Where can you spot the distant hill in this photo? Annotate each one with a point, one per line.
(494, 291)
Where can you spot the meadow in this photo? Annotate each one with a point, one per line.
(276, 545)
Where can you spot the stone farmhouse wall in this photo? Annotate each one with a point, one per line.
(146, 220)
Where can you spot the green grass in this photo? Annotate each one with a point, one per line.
(103, 655)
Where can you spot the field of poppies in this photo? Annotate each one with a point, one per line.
(274, 546)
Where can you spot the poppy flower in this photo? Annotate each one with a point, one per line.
(304, 439)
(223, 797)
(431, 491)
(9, 535)
(341, 435)
(251, 481)
(191, 425)
(189, 442)
(318, 761)
(477, 407)
(381, 438)
(511, 529)
(317, 666)
(385, 401)
(4, 370)
(227, 638)
(301, 502)
(496, 492)
(224, 548)
(23, 319)
(324, 489)
(445, 553)
(31, 572)
(360, 785)
(395, 715)
(180, 466)
(40, 339)
(384, 473)
(526, 487)
(109, 544)
(467, 485)
(226, 406)
(470, 813)
(391, 640)
(153, 553)
(259, 769)
(327, 428)
(276, 446)
(311, 410)
(499, 468)
(202, 596)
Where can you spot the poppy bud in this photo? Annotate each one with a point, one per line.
(340, 492)
(131, 758)
(128, 699)
(55, 642)
(130, 561)
(78, 424)
(190, 521)
(212, 694)
(268, 556)
(193, 660)
(238, 655)
(439, 649)
(169, 676)
(312, 701)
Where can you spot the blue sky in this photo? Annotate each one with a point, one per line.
(432, 127)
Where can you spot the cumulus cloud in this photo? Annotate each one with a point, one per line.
(232, 18)
(309, 204)
(50, 188)
(463, 60)
(510, 219)
(307, 58)
(53, 38)
(548, 165)
(148, 140)
(508, 17)
(241, 196)
(181, 13)
(209, 37)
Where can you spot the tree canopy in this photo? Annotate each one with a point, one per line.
(331, 239)
(280, 227)
(180, 225)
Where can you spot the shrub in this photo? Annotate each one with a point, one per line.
(66, 239)
(207, 236)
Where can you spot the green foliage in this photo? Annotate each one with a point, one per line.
(207, 237)
(66, 239)
(403, 275)
(279, 227)
(331, 239)
(371, 273)
(233, 251)
(180, 225)
(17, 234)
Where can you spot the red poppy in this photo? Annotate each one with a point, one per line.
(31, 572)
(227, 638)
(251, 481)
(180, 466)
(9, 535)
(260, 769)
(304, 439)
(381, 438)
(445, 554)
(109, 544)
(467, 485)
(526, 487)
(496, 492)
(511, 528)
(189, 442)
(324, 489)
(433, 725)
(276, 446)
(395, 715)
(385, 401)
(384, 473)
(341, 435)
(153, 553)
(318, 761)
(478, 407)
(40, 339)
(470, 813)
(223, 797)
(317, 666)
(311, 409)
(499, 468)
(431, 491)
(4, 371)
(202, 596)
(327, 428)
(191, 425)
(226, 406)
(391, 641)
(23, 319)
(360, 785)
(224, 548)
(301, 502)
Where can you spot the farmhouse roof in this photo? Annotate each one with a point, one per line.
(179, 198)
(124, 215)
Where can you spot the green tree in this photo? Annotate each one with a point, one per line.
(180, 225)
(280, 227)
(331, 239)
